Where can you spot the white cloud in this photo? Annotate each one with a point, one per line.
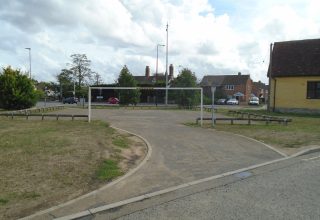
(118, 32)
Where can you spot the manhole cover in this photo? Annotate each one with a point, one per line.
(242, 175)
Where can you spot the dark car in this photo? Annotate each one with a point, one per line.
(70, 100)
(113, 100)
(221, 101)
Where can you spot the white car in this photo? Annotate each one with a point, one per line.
(254, 101)
(232, 102)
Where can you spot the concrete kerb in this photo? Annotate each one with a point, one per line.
(147, 157)
(93, 211)
(307, 151)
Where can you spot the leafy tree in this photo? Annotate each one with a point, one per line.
(65, 83)
(80, 68)
(17, 91)
(186, 98)
(126, 80)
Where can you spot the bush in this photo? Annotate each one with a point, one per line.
(16, 90)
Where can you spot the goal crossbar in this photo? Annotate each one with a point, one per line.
(147, 88)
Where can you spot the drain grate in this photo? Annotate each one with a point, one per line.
(243, 175)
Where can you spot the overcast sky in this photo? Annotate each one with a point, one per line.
(206, 36)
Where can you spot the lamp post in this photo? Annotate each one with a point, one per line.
(158, 45)
(167, 66)
(28, 48)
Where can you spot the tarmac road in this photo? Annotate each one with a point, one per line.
(286, 190)
(180, 154)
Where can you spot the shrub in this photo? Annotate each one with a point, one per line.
(16, 90)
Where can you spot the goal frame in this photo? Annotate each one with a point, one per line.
(146, 88)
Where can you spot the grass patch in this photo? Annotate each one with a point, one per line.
(121, 142)
(109, 170)
(3, 201)
(50, 162)
(304, 130)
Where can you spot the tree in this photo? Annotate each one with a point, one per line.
(66, 83)
(126, 80)
(17, 91)
(80, 68)
(97, 78)
(186, 98)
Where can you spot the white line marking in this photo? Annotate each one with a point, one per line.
(312, 158)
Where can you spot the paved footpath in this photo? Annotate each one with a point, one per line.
(180, 154)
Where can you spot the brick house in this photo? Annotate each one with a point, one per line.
(155, 80)
(237, 86)
(261, 90)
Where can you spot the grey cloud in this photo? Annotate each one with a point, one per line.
(30, 15)
(208, 48)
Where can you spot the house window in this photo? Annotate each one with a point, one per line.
(313, 90)
(229, 87)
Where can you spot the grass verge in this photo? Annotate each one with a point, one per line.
(304, 130)
(45, 163)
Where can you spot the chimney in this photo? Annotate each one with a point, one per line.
(171, 71)
(147, 71)
(239, 73)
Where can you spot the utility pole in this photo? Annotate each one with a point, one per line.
(28, 48)
(166, 102)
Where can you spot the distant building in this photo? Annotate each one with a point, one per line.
(238, 86)
(261, 90)
(151, 80)
(294, 76)
(155, 80)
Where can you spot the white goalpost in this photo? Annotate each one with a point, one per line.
(146, 88)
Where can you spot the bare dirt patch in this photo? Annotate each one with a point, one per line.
(45, 163)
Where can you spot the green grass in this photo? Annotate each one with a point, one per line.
(39, 159)
(109, 170)
(121, 142)
(3, 201)
(304, 130)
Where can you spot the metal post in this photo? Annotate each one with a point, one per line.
(213, 89)
(201, 114)
(166, 102)
(89, 105)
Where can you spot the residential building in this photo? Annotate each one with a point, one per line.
(260, 90)
(228, 86)
(294, 76)
(151, 80)
(155, 80)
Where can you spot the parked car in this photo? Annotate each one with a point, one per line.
(254, 101)
(221, 101)
(232, 102)
(113, 100)
(70, 100)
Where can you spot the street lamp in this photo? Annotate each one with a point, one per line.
(28, 48)
(158, 45)
(167, 65)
